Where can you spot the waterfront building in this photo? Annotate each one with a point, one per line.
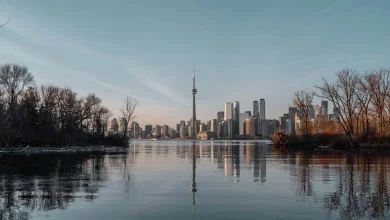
(262, 127)
(172, 133)
(291, 116)
(183, 132)
(148, 129)
(248, 112)
(178, 127)
(206, 135)
(241, 121)
(208, 125)
(311, 112)
(165, 132)
(262, 109)
(122, 124)
(135, 129)
(250, 126)
(220, 116)
(228, 111)
(324, 106)
(235, 121)
(157, 130)
(214, 125)
(182, 123)
(272, 126)
(190, 132)
(256, 112)
(203, 127)
(283, 123)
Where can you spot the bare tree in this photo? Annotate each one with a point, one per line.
(303, 101)
(342, 94)
(378, 83)
(14, 79)
(128, 112)
(5, 23)
(364, 97)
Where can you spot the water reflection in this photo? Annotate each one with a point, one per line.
(336, 184)
(193, 184)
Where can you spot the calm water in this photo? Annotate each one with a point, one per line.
(207, 180)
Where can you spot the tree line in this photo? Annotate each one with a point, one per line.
(50, 115)
(362, 101)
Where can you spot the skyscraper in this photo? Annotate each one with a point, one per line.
(228, 110)
(241, 121)
(256, 112)
(148, 129)
(236, 115)
(250, 124)
(220, 116)
(291, 117)
(214, 125)
(193, 92)
(324, 106)
(262, 109)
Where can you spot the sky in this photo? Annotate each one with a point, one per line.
(242, 50)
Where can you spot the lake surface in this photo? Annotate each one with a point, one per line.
(202, 180)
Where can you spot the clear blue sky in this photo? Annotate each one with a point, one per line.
(243, 50)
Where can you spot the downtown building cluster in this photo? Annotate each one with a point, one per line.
(291, 122)
(228, 124)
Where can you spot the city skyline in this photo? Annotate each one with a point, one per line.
(129, 48)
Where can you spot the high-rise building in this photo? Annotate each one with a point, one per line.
(165, 132)
(228, 111)
(135, 128)
(214, 125)
(182, 123)
(291, 117)
(250, 127)
(172, 133)
(236, 115)
(148, 129)
(183, 132)
(157, 130)
(220, 116)
(324, 106)
(256, 112)
(262, 109)
(190, 132)
(208, 125)
(312, 114)
(122, 124)
(283, 123)
(272, 127)
(203, 127)
(241, 121)
(249, 113)
(262, 127)
(178, 127)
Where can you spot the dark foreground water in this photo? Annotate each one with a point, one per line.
(208, 180)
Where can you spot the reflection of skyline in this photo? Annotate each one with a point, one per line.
(356, 184)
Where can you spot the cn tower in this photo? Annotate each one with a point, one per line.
(193, 91)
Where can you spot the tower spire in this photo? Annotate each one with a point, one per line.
(193, 78)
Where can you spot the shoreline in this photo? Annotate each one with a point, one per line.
(70, 149)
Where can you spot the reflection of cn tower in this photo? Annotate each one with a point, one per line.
(193, 185)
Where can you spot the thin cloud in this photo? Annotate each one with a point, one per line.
(144, 76)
